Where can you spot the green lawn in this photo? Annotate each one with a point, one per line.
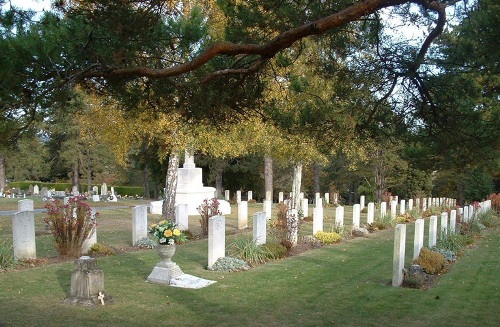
(346, 284)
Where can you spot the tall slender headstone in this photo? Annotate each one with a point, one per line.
(317, 219)
(305, 207)
(238, 196)
(259, 228)
(182, 216)
(249, 195)
(444, 223)
(361, 202)
(280, 197)
(36, 190)
(216, 239)
(402, 207)
(398, 260)
(394, 206)
(418, 241)
(453, 221)
(23, 235)
(104, 189)
(383, 209)
(339, 216)
(139, 223)
(410, 204)
(227, 195)
(371, 213)
(432, 231)
(243, 215)
(327, 198)
(466, 213)
(268, 208)
(92, 239)
(356, 215)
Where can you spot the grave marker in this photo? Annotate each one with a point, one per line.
(259, 228)
(139, 223)
(356, 215)
(418, 241)
(243, 215)
(216, 239)
(432, 231)
(371, 213)
(182, 216)
(398, 260)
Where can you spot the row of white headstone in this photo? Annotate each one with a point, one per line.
(447, 226)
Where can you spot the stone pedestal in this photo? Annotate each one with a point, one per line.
(166, 269)
(87, 284)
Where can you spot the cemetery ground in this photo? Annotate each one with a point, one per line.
(345, 284)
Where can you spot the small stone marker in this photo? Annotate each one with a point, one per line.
(398, 261)
(87, 283)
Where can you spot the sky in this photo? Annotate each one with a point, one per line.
(37, 5)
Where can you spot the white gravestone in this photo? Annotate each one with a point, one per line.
(259, 228)
(383, 209)
(23, 235)
(238, 196)
(339, 216)
(317, 219)
(398, 260)
(361, 202)
(267, 208)
(280, 197)
(418, 241)
(25, 205)
(432, 231)
(327, 198)
(371, 213)
(227, 195)
(402, 207)
(216, 239)
(356, 215)
(92, 239)
(394, 206)
(243, 215)
(95, 198)
(249, 195)
(444, 223)
(139, 223)
(453, 221)
(181, 216)
(305, 207)
(36, 190)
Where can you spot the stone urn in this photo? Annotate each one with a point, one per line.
(165, 252)
(166, 269)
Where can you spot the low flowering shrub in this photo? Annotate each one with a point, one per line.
(71, 224)
(328, 237)
(102, 249)
(432, 262)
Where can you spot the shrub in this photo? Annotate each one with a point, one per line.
(102, 249)
(146, 243)
(383, 222)
(71, 224)
(452, 242)
(250, 251)
(328, 237)
(276, 250)
(207, 209)
(495, 201)
(277, 226)
(432, 262)
(229, 264)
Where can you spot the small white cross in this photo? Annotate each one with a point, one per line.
(101, 298)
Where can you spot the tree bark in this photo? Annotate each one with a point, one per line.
(168, 209)
(2, 173)
(317, 187)
(292, 218)
(75, 176)
(268, 176)
(296, 185)
(145, 183)
(218, 182)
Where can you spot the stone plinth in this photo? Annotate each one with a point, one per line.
(87, 284)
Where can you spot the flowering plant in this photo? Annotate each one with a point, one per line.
(166, 232)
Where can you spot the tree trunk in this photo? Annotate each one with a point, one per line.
(218, 182)
(145, 182)
(268, 176)
(317, 187)
(2, 173)
(89, 172)
(168, 209)
(292, 218)
(75, 176)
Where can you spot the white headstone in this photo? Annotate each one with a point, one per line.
(361, 202)
(398, 260)
(227, 195)
(371, 213)
(216, 239)
(269, 196)
(242, 215)
(319, 202)
(305, 207)
(25, 205)
(327, 198)
(453, 221)
(23, 235)
(280, 197)
(466, 213)
(383, 209)
(104, 189)
(444, 223)
(182, 216)
(402, 207)
(267, 208)
(238, 196)
(394, 206)
(339, 216)
(250, 195)
(139, 223)
(317, 219)
(418, 241)
(92, 239)
(259, 228)
(36, 190)
(432, 231)
(156, 207)
(95, 198)
(410, 204)
(356, 215)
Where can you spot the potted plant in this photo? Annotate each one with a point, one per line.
(167, 235)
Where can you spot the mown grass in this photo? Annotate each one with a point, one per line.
(346, 284)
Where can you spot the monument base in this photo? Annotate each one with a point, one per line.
(163, 275)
